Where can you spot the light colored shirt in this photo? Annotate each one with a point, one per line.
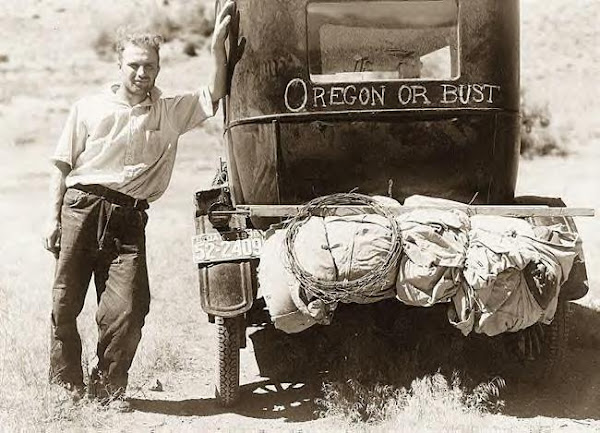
(129, 149)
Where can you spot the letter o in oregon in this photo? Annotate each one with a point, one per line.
(293, 86)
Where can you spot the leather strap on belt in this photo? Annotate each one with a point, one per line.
(113, 196)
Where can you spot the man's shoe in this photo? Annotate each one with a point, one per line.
(101, 389)
(106, 393)
(96, 388)
(120, 405)
(76, 391)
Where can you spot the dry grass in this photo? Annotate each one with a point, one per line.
(428, 403)
(388, 364)
(432, 393)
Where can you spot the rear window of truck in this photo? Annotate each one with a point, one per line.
(383, 40)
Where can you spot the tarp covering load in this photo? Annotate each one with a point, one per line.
(497, 274)
(281, 290)
(314, 262)
(434, 246)
(512, 275)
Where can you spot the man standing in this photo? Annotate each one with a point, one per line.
(116, 154)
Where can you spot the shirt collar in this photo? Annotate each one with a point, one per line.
(152, 97)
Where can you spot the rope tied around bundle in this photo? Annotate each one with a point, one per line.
(339, 291)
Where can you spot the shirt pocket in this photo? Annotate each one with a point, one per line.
(154, 146)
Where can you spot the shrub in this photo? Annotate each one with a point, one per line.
(356, 402)
(433, 398)
(538, 137)
(191, 22)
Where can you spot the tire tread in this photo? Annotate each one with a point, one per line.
(228, 360)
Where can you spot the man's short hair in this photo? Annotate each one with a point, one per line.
(138, 38)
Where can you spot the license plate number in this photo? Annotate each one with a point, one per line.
(217, 247)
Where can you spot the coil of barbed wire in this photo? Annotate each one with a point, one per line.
(340, 291)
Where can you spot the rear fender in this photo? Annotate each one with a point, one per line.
(226, 289)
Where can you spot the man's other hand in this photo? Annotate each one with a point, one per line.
(51, 237)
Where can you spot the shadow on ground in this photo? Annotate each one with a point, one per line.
(266, 400)
(388, 343)
(575, 391)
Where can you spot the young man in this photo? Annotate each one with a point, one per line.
(115, 155)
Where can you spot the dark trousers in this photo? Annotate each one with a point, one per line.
(108, 241)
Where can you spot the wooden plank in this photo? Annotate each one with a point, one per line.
(285, 211)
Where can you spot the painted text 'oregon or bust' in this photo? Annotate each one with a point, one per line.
(298, 96)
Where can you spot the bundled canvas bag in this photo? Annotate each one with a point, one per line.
(512, 275)
(359, 244)
(276, 285)
(434, 244)
(290, 311)
(334, 248)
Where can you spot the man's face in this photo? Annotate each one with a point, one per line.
(139, 68)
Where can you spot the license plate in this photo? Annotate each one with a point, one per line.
(224, 247)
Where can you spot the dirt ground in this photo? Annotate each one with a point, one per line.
(47, 61)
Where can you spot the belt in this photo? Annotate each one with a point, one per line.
(113, 196)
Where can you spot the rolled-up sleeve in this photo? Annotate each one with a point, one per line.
(190, 110)
(72, 139)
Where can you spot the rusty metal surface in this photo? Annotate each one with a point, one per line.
(428, 137)
(271, 51)
(254, 171)
(226, 288)
(452, 157)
